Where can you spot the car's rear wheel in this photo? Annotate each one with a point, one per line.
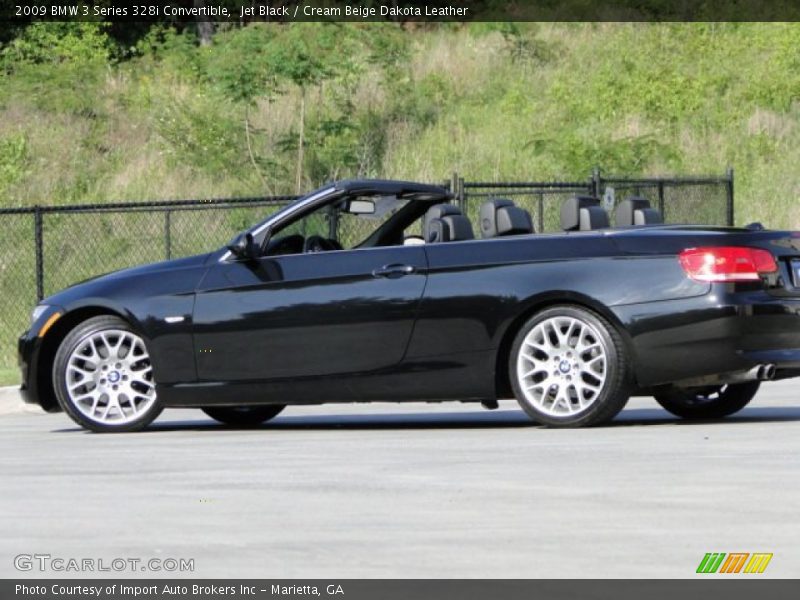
(568, 368)
(244, 416)
(103, 377)
(713, 402)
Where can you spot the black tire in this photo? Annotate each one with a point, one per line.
(73, 339)
(709, 402)
(613, 392)
(244, 416)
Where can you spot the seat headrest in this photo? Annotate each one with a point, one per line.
(459, 228)
(437, 212)
(583, 213)
(593, 217)
(450, 228)
(513, 220)
(488, 216)
(636, 211)
(501, 217)
(647, 216)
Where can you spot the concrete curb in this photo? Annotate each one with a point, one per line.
(11, 402)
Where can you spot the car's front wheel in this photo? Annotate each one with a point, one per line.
(568, 368)
(103, 377)
(244, 416)
(714, 402)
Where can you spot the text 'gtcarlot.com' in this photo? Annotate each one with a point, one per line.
(47, 562)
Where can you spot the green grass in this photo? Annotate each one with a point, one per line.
(541, 102)
(9, 376)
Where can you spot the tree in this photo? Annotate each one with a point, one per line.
(242, 69)
(205, 28)
(259, 60)
(305, 56)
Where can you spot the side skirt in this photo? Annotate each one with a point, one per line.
(465, 378)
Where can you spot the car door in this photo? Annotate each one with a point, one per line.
(307, 315)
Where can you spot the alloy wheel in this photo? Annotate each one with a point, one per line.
(562, 366)
(109, 377)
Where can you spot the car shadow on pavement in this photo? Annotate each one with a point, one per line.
(655, 416)
(500, 419)
(371, 421)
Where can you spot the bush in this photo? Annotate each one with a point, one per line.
(57, 43)
(13, 161)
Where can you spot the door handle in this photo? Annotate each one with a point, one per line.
(393, 271)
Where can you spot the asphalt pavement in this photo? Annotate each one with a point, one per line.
(415, 490)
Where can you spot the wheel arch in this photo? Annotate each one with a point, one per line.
(534, 305)
(51, 342)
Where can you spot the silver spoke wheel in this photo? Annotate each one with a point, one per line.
(562, 366)
(109, 377)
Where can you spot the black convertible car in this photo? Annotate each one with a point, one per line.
(378, 291)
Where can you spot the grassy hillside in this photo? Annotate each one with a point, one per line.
(491, 101)
(84, 118)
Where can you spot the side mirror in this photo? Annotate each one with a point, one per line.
(243, 246)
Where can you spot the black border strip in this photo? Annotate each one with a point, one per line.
(743, 587)
(238, 11)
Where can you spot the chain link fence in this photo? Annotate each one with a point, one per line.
(542, 200)
(18, 259)
(44, 249)
(698, 200)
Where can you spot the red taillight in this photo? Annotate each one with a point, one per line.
(727, 263)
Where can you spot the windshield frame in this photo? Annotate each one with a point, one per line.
(330, 193)
(260, 230)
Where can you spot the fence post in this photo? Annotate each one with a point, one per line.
(661, 197)
(38, 235)
(462, 196)
(168, 234)
(541, 212)
(729, 189)
(596, 182)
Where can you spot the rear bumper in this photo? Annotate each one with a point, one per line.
(719, 333)
(783, 359)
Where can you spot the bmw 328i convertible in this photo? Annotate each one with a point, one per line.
(379, 291)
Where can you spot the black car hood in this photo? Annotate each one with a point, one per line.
(162, 267)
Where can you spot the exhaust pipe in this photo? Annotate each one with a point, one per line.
(765, 372)
(759, 373)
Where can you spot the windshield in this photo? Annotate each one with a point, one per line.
(289, 208)
(330, 218)
(346, 223)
